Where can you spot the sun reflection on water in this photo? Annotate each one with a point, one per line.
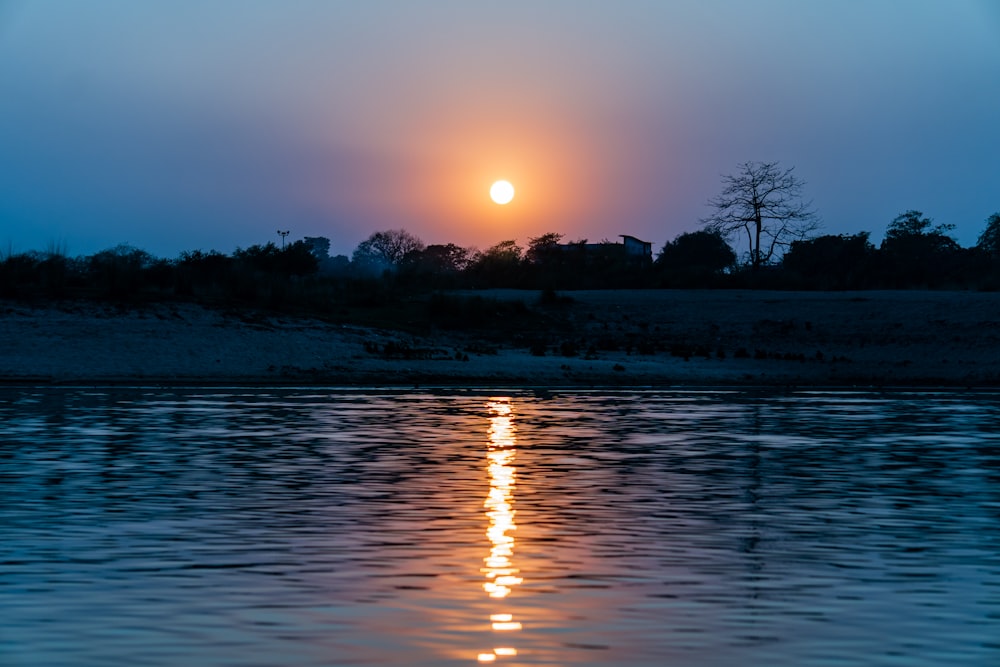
(501, 575)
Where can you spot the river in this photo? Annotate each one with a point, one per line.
(307, 527)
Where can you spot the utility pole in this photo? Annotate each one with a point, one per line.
(283, 234)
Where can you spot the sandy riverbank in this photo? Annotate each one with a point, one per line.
(643, 338)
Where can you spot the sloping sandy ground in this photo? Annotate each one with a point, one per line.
(662, 337)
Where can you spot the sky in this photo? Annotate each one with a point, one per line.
(212, 125)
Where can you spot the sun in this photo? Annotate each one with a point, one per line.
(502, 192)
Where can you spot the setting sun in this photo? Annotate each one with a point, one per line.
(502, 192)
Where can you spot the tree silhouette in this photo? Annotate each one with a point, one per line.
(296, 259)
(386, 250)
(119, 270)
(319, 246)
(912, 224)
(989, 240)
(440, 259)
(831, 262)
(762, 201)
(500, 265)
(695, 258)
(915, 252)
(544, 249)
(436, 266)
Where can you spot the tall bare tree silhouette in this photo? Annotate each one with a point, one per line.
(764, 202)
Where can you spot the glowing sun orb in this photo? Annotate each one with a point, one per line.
(502, 192)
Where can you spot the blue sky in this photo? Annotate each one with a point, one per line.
(210, 125)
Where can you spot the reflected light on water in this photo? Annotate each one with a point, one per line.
(512, 625)
(501, 575)
(315, 528)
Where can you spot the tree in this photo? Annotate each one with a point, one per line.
(119, 269)
(505, 252)
(319, 246)
(298, 259)
(695, 257)
(448, 259)
(831, 262)
(915, 252)
(436, 265)
(911, 234)
(762, 201)
(544, 249)
(386, 250)
(295, 259)
(500, 265)
(549, 264)
(202, 269)
(912, 224)
(989, 240)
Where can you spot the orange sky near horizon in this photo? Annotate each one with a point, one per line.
(443, 162)
(547, 169)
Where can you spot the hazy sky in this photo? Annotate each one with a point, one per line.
(210, 125)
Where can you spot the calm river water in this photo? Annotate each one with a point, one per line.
(288, 528)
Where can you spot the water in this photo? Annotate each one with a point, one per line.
(308, 527)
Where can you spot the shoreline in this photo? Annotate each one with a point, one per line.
(125, 385)
(615, 339)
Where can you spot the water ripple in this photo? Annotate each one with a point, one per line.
(310, 527)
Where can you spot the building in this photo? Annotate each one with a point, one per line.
(630, 246)
(636, 248)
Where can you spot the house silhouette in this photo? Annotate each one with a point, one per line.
(631, 247)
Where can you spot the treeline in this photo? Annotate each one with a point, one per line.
(915, 254)
(262, 275)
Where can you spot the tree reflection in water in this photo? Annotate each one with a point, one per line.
(501, 575)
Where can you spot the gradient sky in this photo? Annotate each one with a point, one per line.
(209, 125)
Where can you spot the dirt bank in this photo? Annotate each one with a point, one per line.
(662, 337)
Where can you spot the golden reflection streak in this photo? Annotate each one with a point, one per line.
(501, 575)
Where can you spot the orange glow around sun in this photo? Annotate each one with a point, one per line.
(432, 174)
(544, 159)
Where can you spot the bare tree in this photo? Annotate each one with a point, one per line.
(762, 201)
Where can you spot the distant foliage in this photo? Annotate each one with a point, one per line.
(695, 259)
(319, 246)
(989, 240)
(393, 270)
(831, 262)
(118, 271)
(913, 224)
(548, 262)
(544, 249)
(386, 251)
(448, 259)
(916, 253)
(295, 259)
(498, 266)
(19, 275)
